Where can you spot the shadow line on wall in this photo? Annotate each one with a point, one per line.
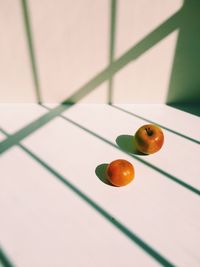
(137, 50)
(113, 10)
(133, 53)
(184, 85)
(31, 50)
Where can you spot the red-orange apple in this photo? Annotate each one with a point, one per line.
(149, 139)
(120, 172)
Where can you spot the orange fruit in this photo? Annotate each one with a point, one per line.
(120, 172)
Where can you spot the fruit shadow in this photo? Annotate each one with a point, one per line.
(101, 173)
(127, 144)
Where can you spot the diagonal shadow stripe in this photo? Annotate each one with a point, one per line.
(5, 260)
(31, 128)
(29, 36)
(127, 232)
(166, 174)
(162, 126)
(137, 50)
(149, 41)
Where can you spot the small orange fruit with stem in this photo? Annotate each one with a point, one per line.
(149, 139)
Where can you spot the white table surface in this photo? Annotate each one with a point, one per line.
(55, 211)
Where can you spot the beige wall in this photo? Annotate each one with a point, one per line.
(71, 41)
(15, 73)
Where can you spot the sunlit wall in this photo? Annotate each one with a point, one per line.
(125, 51)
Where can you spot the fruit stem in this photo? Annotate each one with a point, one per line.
(149, 131)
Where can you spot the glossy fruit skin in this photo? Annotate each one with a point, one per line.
(120, 172)
(149, 139)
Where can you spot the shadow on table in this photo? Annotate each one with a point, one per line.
(101, 173)
(127, 144)
(189, 108)
(4, 260)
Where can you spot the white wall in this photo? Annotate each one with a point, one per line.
(72, 46)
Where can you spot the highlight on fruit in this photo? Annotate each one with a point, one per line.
(149, 139)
